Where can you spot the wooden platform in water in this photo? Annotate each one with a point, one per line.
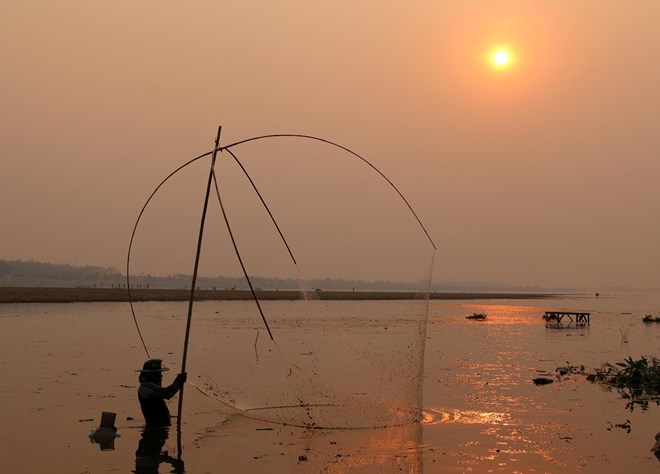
(73, 295)
(574, 319)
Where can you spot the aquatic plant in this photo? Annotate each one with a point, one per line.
(642, 374)
(637, 381)
(570, 369)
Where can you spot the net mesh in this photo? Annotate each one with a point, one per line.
(331, 364)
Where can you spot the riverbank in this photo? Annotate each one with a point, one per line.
(80, 295)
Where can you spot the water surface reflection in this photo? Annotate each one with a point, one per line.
(64, 364)
(151, 454)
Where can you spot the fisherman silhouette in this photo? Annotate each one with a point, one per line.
(152, 394)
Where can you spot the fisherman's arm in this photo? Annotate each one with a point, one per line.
(151, 390)
(179, 380)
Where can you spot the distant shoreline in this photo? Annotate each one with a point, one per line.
(88, 295)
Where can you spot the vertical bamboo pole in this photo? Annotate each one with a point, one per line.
(194, 278)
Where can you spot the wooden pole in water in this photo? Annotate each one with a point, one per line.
(194, 278)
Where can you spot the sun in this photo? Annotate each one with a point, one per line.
(501, 58)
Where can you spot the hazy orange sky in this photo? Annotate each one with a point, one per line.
(545, 173)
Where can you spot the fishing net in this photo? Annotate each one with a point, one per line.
(331, 363)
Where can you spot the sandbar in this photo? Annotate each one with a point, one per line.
(75, 295)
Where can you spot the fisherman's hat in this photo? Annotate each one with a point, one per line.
(153, 365)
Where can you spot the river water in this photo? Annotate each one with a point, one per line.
(64, 364)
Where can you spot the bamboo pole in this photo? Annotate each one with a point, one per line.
(194, 278)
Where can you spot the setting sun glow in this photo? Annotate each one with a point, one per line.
(501, 58)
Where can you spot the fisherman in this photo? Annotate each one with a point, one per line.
(152, 394)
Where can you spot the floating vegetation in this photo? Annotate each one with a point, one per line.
(477, 316)
(651, 319)
(570, 369)
(637, 381)
(624, 426)
(642, 374)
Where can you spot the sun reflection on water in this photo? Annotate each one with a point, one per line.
(497, 439)
(434, 416)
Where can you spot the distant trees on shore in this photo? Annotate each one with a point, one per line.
(18, 271)
(21, 273)
(32, 273)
